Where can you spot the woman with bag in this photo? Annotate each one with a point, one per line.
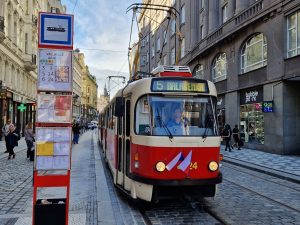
(29, 137)
(12, 138)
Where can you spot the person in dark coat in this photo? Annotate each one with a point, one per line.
(29, 137)
(76, 132)
(227, 136)
(236, 138)
(12, 138)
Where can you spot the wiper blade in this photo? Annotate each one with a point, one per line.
(162, 124)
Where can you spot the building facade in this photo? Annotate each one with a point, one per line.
(89, 97)
(18, 58)
(249, 49)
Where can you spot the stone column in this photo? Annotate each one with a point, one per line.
(194, 10)
(241, 5)
(213, 15)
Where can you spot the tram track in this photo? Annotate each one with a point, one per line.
(261, 195)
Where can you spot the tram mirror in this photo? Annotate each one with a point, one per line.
(119, 106)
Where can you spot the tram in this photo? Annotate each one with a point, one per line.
(159, 135)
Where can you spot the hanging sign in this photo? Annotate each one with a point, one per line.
(251, 96)
(55, 70)
(267, 106)
(55, 31)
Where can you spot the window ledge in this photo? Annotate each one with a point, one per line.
(250, 71)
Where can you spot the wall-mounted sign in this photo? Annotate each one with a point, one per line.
(251, 96)
(55, 31)
(55, 70)
(267, 106)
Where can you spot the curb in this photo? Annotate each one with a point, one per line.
(279, 174)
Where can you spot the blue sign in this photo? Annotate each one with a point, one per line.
(55, 31)
(267, 106)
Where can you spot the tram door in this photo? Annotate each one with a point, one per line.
(123, 144)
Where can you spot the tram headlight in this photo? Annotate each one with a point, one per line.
(160, 166)
(213, 166)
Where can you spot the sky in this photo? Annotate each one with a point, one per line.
(102, 32)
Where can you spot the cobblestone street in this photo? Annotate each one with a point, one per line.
(244, 197)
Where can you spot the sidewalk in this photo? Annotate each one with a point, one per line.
(21, 143)
(282, 166)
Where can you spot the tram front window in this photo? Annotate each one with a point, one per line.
(176, 116)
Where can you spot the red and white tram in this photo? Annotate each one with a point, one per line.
(159, 135)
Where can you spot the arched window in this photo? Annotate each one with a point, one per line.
(198, 71)
(254, 53)
(219, 68)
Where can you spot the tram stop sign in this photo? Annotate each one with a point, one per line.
(22, 107)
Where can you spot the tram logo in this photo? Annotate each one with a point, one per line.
(184, 162)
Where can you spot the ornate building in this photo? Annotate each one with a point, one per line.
(18, 57)
(250, 49)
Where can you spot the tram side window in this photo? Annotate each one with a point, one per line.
(142, 125)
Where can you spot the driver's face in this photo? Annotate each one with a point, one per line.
(177, 113)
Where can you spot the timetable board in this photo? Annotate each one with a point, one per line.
(53, 148)
(54, 108)
(55, 70)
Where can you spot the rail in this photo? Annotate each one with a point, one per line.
(248, 13)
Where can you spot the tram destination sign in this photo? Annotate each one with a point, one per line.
(179, 85)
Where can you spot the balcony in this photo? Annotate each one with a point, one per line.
(30, 62)
(2, 34)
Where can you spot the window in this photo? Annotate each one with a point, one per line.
(293, 35)
(182, 48)
(173, 27)
(224, 13)
(165, 37)
(26, 43)
(219, 68)
(153, 51)
(172, 56)
(147, 57)
(182, 15)
(254, 53)
(201, 32)
(143, 62)
(165, 62)
(202, 3)
(147, 39)
(158, 45)
(182, 116)
(199, 71)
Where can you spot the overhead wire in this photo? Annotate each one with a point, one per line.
(75, 6)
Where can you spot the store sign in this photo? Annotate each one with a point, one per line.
(251, 96)
(267, 106)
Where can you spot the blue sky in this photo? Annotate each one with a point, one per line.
(102, 25)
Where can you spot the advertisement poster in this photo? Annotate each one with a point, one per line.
(54, 108)
(55, 70)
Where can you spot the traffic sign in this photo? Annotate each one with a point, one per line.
(55, 31)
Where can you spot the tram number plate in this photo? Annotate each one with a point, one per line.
(193, 166)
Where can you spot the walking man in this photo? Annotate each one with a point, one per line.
(5, 131)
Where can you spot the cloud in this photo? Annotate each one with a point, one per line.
(103, 25)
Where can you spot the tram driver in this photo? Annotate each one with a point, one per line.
(177, 123)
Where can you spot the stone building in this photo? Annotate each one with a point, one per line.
(89, 97)
(248, 48)
(18, 57)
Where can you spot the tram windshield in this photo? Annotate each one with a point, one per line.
(176, 116)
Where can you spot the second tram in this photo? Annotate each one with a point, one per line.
(159, 135)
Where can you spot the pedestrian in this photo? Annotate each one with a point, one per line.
(29, 137)
(227, 136)
(236, 137)
(12, 138)
(76, 132)
(5, 131)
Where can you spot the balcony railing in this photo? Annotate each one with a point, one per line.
(250, 12)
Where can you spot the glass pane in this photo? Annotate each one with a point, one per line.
(142, 125)
(298, 32)
(292, 39)
(292, 21)
(183, 116)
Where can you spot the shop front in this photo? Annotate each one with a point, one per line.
(251, 116)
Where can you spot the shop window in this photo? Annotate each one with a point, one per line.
(219, 68)
(254, 53)
(293, 34)
(252, 123)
